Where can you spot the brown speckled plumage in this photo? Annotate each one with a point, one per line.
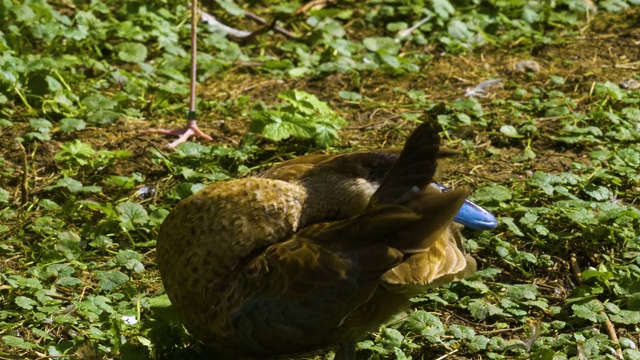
(313, 253)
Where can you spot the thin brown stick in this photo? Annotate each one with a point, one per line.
(611, 330)
(60, 297)
(575, 268)
(612, 334)
(194, 53)
(500, 331)
(447, 355)
(580, 352)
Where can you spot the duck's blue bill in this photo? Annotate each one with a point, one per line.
(473, 216)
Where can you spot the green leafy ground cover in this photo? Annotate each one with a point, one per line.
(552, 150)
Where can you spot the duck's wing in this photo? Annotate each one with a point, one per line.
(307, 287)
(299, 292)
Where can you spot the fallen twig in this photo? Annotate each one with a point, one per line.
(447, 355)
(631, 65)
(406, 32)
(611, 330)
(500, 331)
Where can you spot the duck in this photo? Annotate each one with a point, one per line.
(316, 252)
(470, 215)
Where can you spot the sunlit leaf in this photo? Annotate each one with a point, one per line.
(132, 52)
